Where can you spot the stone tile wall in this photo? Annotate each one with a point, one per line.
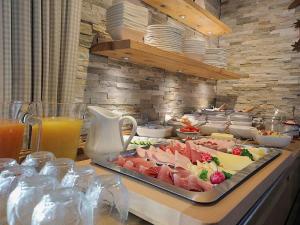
(260, 45)
(145, 93)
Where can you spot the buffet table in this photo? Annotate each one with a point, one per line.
(277, 181)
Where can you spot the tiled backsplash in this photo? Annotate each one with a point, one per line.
(260, 45)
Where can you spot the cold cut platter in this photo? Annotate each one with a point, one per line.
(203, 171)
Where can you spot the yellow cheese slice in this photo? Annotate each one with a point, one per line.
(233, 162)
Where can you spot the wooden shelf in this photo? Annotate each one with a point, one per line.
(140, 53)
(192, 15)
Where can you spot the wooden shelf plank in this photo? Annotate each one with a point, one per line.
(140, 53)
(192, 15)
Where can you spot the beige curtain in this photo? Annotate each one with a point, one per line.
(38, 42)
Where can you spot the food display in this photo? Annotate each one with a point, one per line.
(197, 165)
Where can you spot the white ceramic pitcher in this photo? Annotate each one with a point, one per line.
(105, 133)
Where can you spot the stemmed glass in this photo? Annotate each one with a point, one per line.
(9, 178)
(57, 168)
(26, 196)
(80, 177)
(6, 162)
(63, 207)
(109, 199)
(38, 159)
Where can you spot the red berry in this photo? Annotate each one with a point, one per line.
(217, 177)
(237, 151)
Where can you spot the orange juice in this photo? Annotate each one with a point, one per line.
(60, 135)
(11, 138)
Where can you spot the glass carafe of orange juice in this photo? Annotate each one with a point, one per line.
(12, 129)
(60, 128)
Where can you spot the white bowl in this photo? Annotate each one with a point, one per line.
(184, 135)
(217, 122)
(241, 123)
(243, 131)
(273, 141)
(209, 128)
(154, 131)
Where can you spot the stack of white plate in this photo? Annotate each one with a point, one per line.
(194, 48)
(165, 37)
(126, 16)
(216, 57)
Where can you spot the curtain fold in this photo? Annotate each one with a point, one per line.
(39, 40)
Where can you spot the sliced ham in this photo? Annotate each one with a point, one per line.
(163, 157)
(120, 161)
(152, 171)
(141, 152)
(182, 161)
(165, 174)
(190, 182)
(196, 184)
(181, 181)
(141, 162)
(220, 145)
(129, 165)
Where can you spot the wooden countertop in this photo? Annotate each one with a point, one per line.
(162, 208)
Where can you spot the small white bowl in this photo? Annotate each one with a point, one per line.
(209, 128)
(243, 131)
(154, 131)
(241, 123)
(273, 141)
(184, 135)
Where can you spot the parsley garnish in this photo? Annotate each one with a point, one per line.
(216, 160)
(203, 175)
(245, 152)
(227, 175)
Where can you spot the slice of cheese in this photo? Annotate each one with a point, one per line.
(233, 162)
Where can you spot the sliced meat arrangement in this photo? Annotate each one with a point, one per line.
(193, 165)
(220, 145)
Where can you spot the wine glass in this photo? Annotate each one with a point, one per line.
(79, 177)
(38, 159)
(8, 181)
(109, 199)
(57, 168)
(26, 196)
(5, 162)
(65, 206)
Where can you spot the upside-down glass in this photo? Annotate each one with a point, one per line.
(80, 177)
(13, 116)
(38, 159)
(9, 178)
(65, 206)
(6, 162)
(57, 168)
(61, 127)
(109, 199)
(26, 196)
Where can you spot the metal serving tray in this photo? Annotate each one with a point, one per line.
(212, 196)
